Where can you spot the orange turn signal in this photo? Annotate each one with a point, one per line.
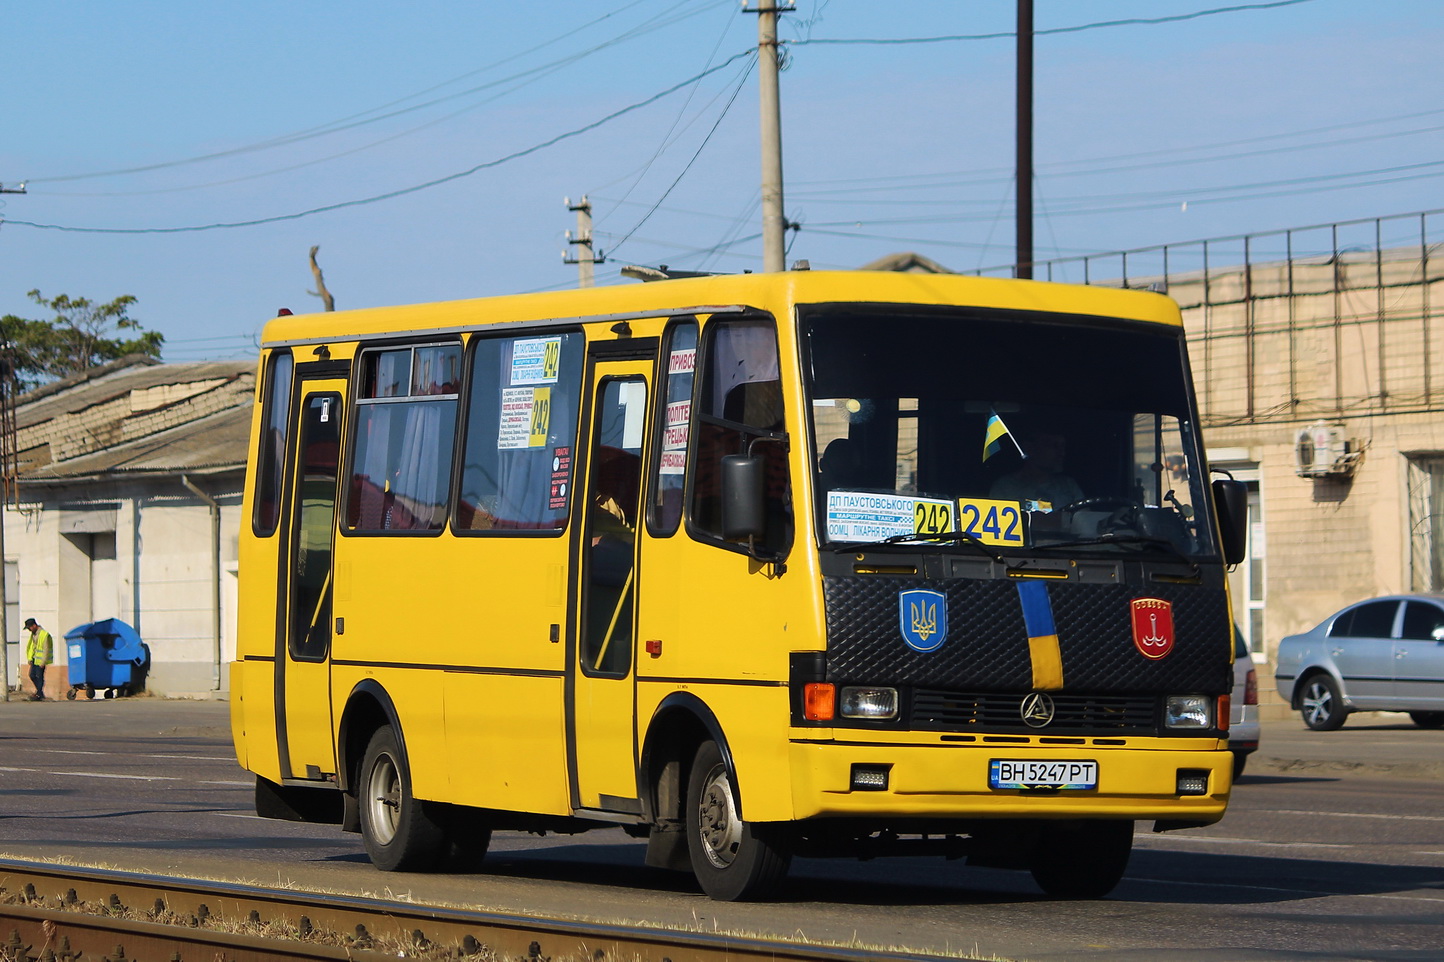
(1225, 709)
(819, 701)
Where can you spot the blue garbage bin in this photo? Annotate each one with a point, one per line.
(106, 654)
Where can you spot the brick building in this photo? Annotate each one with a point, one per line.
(130, 480)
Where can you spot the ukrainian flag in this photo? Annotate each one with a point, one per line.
(994, 434)
(1043, 650)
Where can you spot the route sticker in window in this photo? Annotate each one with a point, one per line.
(992, 522)
(863, 516)
(525, 417)
(674, 437)
(682, 362)
(536, 360)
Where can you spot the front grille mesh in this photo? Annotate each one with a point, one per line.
(979, 712)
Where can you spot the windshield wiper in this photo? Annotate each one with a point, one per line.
(1134, 539)
(940, 537)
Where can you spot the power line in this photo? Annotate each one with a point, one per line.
(823, 194)
(1001, 35)
(405, 190)
(698, 153)
(667, 137)
(362, 119)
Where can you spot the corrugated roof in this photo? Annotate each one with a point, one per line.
(217, 442)
(118, 378)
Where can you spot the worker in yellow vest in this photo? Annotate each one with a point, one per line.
(39, 652)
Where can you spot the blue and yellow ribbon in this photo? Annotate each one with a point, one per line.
(1043, 648)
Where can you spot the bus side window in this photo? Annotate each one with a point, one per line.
(521, 433)
(405, 434)
(271, 458)
(674, 428)
(740, 400)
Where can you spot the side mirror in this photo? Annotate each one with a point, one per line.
(744, 515)
(1230, 501)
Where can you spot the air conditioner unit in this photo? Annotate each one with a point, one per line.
(1322, 451)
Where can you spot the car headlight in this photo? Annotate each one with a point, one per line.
(868, 703)
(1188, 711)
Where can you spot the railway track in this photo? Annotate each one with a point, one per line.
(67, 914)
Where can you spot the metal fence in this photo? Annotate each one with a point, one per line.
(1154, 267)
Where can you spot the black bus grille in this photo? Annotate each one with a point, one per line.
(955, 711)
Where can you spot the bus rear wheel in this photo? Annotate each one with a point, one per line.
(733, 860)
(399, 832)
(1081, 860)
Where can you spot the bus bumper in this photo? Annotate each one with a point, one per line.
(932, 781)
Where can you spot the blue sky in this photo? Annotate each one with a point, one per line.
(142, 117)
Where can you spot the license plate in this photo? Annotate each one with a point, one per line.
(1065, 774)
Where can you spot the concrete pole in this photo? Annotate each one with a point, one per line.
(7, 446)
(586, 255)
(1023, 262)
(774, 225)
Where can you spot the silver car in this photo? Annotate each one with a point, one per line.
(1243, 725)
(1384, 654)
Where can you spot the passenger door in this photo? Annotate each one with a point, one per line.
(304, 634)
(601, 706)
(1362, 646)
(1419, 658)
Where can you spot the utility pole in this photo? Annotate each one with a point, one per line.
(7, 481)
(774, 224)
(582, 240)
(1023, 262)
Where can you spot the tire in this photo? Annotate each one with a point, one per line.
(399, 831)
(1239, 761)
(1428, 719)
(733, 860)
(1321, 704)
(1081, 860)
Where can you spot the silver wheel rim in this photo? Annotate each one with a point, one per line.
(1318, 702)
(383, 798)
(719, 828)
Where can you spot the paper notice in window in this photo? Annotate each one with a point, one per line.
(674, 438)
(682, 362)
(536, 360)
(519, 416)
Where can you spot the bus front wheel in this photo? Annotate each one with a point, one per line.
(1082, 860)
(399, 833)
(733, 860)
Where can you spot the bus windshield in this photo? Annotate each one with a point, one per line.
(1028, 433)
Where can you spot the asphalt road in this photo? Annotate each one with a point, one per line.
(1333, 849)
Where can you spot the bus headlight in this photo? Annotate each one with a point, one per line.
(1188, 711)
(868, 703)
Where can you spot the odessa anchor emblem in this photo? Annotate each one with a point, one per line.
(1152, 627)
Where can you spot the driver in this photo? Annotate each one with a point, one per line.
(1040, 477)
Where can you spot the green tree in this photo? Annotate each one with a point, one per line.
(81, 335)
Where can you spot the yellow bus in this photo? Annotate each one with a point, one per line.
(760, 566)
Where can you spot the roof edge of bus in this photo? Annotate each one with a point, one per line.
(719, 293)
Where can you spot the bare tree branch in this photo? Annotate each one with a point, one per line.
(320, 290)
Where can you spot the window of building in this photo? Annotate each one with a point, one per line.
(1426, 523)
(521, 431)
(405, 434)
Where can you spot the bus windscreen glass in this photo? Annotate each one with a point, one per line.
(1026, 432)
